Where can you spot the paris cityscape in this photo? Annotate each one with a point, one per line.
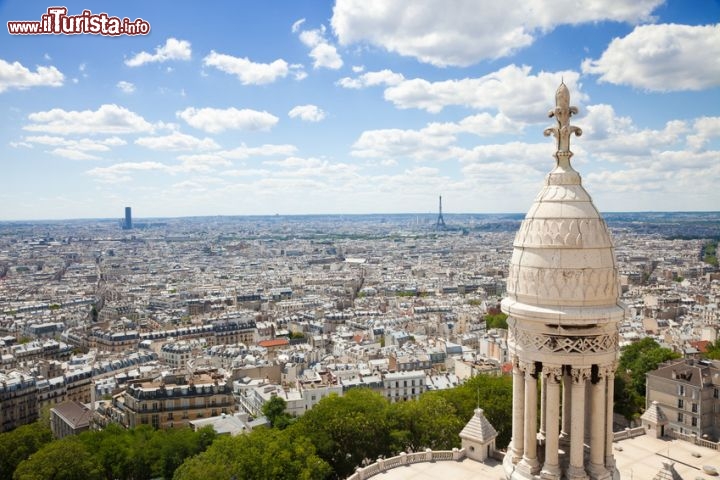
(328, 240)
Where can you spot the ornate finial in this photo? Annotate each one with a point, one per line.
(562, 113)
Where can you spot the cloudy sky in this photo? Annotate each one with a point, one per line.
(357, 106)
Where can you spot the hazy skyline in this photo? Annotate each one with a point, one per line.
(357, 106)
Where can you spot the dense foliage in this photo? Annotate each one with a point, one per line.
(710, 253)
(114, 453)
(17, 445)
(329, 441)
(497, 320)
(636, 360)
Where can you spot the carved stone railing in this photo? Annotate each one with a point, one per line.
(692, 438)
(628, 433)
(404, 459)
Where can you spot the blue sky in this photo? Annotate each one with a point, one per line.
(357, 106)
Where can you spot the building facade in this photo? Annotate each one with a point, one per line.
(174, 401)
(688, 394)
(563, 313)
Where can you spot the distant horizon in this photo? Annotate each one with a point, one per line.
(279, 215)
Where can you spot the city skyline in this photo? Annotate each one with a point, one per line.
(353, 107)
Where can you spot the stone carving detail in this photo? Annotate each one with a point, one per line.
(562, 284)
(527, 367)
(553, 373)
(571, 232)
(580, 374)
(562, 113)
(608, 371)
(564, 344)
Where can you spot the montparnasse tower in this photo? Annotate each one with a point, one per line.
(563, 314)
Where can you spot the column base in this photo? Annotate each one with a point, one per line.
(515, 455)
(550, 472)
(576, 473)
(529, 466)
(598, 472)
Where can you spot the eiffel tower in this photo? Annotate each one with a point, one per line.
(440, 225)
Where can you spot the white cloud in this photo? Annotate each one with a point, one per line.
(248, 72)
(83, 144)
(422, 144)
(108, 118)
(268, 150)
(511, 90)
(463, 34)
(662, 58)
(173, 49)
(322, 52)
(216, 120)
(125, 87)
(15, 75)
(177, 141)
(435, 141)
(705, 128)
(296, 26)
(73, 154)
(120, 172)
(295, 162)
(370, 79)
(204, 161)
(613, 137)
(358, 68)
(309, 113)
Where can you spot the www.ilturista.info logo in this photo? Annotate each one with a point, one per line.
(57, 22)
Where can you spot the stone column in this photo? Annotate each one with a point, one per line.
(576, 470)
(552, 376)
(598, 404)
(529, 462)
(566, 400)
(518, 413)
(543, 406)
(610, 392)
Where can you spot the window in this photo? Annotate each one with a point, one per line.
(680, 417)
(681, 389)
(694, 421)
(715, 393)
(681, 403)
(694, 408)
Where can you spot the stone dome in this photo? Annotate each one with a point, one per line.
(562, 285)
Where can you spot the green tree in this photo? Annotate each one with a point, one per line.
(491, 393)
(66, 459)
(713, 351)
(497, 320)
(429, 422)
(274, 410)
(347, 430)
(17, 445)
(636, 360)
(270, 454)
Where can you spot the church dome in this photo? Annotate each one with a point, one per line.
(563, 260)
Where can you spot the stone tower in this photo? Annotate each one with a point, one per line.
(563, 314)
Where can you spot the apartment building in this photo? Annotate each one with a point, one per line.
(687, 392)
(174, 400)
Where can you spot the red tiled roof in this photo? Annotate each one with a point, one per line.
(701, 345)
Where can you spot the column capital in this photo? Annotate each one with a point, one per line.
(552, 372)
(528, 368)
(580, 374)
(608, 371)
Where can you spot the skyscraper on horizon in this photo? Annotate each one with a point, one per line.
(127, 225)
